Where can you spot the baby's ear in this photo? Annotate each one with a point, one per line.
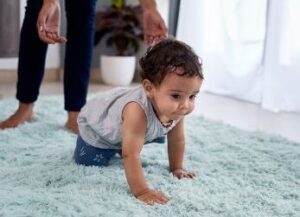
(148, 87)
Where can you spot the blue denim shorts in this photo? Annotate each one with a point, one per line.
(89, 155)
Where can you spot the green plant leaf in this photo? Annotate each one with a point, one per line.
(117, 3)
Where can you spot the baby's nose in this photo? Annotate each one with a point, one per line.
(184, 104)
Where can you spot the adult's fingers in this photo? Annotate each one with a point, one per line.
(148, 39)
(42, 32)
(50, 37)
(45, 38)
(61, 39)
(53, 34)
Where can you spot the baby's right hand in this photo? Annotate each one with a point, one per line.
(151, 197)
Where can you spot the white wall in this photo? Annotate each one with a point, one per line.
(52, 61)
(162, 6)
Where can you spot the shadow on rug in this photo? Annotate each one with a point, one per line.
(239, 173)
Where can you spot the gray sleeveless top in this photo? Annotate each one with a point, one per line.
(100, 120)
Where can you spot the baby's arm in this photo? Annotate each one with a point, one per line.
(176, 146)
(133, 134)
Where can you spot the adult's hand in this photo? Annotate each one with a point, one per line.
(154, 26)
(48, 23)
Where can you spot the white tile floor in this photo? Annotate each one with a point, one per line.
(249, 116)
(234, 112)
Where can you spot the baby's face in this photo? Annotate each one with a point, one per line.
(175, 97)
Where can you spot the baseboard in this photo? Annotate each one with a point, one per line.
(52, 75)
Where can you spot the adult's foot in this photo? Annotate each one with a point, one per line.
(23, 114)
(71, 123)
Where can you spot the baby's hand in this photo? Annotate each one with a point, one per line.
(151, 197)
(181, 173)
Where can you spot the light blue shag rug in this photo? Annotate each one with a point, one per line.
(239, 173)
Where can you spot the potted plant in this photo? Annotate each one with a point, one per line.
(120, 26)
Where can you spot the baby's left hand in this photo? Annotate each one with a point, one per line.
(181, 173)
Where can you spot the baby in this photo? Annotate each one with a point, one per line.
(124, 119)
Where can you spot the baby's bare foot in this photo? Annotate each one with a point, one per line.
(71, 123)
(23, 114)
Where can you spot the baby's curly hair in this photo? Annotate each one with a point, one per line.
(168, 56)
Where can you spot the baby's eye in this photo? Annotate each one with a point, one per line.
(192, 97)
(175, 96)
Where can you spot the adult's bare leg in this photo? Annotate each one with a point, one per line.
(71, 123)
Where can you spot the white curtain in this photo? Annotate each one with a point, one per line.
(250, 49)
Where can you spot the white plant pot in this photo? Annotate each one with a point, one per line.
(117, 70)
